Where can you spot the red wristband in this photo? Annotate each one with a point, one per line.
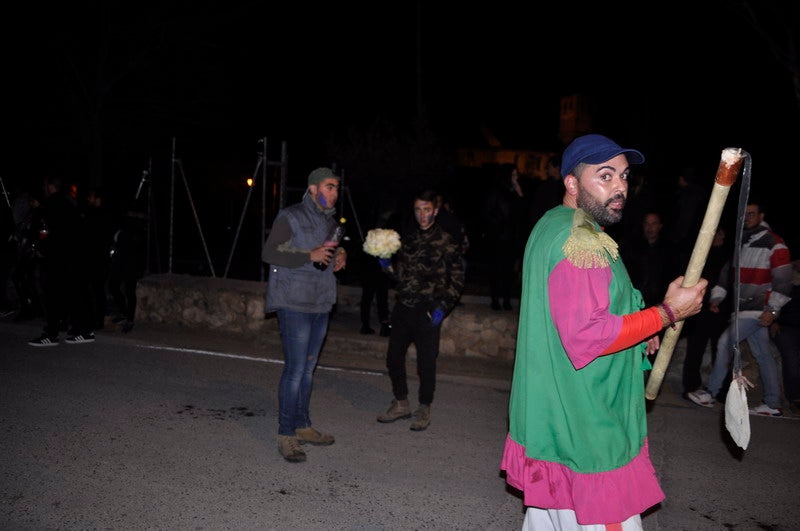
(670, 315)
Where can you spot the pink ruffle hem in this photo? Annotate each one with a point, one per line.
(599, 498)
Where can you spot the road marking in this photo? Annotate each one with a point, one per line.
(256, 359)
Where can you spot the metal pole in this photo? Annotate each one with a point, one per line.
(262, 231)
(149, 212)
(241, 220)
(5, 192)
(171, 206)
(284, 177)
(197, 221)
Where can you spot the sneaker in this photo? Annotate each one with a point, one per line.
(386, 329)
(701, 397)
(422, 418)
(766, 411)
(398, 410)
(80, 338)
(44, 341)
(312, 436)
(365, 330)
(289, 448)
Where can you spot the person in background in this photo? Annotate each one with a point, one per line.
(303, 297)
(548, 194)
(502, 221)
(8, 251)
(707, 326)
(686, 214)
(26, 271)
(375, 286)
(99, 230)
(577, 443)
(452, 223)
(765, 273)
(62, 248)
(785, 333)
(428, 278)
(128, 262)
(650, 259)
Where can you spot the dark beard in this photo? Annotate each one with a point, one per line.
(599, 211)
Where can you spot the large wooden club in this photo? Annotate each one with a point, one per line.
(729, 167)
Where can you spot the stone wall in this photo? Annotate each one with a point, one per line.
(472, 330)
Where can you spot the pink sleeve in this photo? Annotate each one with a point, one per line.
(579, 308)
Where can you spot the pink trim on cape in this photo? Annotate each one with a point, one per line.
(601, 498)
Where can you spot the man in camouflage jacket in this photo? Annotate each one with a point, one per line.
(428, 276)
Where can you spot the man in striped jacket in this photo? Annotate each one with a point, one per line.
(765, 285)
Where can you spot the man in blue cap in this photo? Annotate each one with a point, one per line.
(577, 441)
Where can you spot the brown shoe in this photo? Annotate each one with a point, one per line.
(311, 436)
(398, 410)
(422, 418)
(290, 449)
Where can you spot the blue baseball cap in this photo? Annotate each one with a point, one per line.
(594, 149)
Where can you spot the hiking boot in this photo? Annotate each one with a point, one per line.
(290, 449)
(422, 418)
(311, 436)
(44, 341)
(398, 410)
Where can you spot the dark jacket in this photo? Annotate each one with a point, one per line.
(428, 270)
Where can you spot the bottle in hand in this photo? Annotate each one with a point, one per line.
(333, 239)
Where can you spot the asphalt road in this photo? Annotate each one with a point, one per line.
(139, 432)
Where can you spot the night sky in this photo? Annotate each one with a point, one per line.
(677, 83)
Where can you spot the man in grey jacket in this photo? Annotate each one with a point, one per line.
(303, 297)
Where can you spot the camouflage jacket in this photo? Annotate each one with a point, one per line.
(428, 270)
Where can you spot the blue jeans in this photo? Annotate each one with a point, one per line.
(757, 337)
(302, 335)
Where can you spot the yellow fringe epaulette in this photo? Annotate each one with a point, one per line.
(587, 247)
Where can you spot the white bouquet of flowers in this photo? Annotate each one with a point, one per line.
(382, 243)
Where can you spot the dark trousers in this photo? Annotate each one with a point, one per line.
(503, 276)
(699, 330)
(787, 340)
(413, 325)
(98, 274)
(377, 287)
(66, 298)
(122, 288)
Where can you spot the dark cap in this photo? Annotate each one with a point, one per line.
(320, 174)
(594, 149)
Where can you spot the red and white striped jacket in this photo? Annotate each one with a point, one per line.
(765, 272)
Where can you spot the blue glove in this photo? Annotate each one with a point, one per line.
(437, 316)
(385, 263)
